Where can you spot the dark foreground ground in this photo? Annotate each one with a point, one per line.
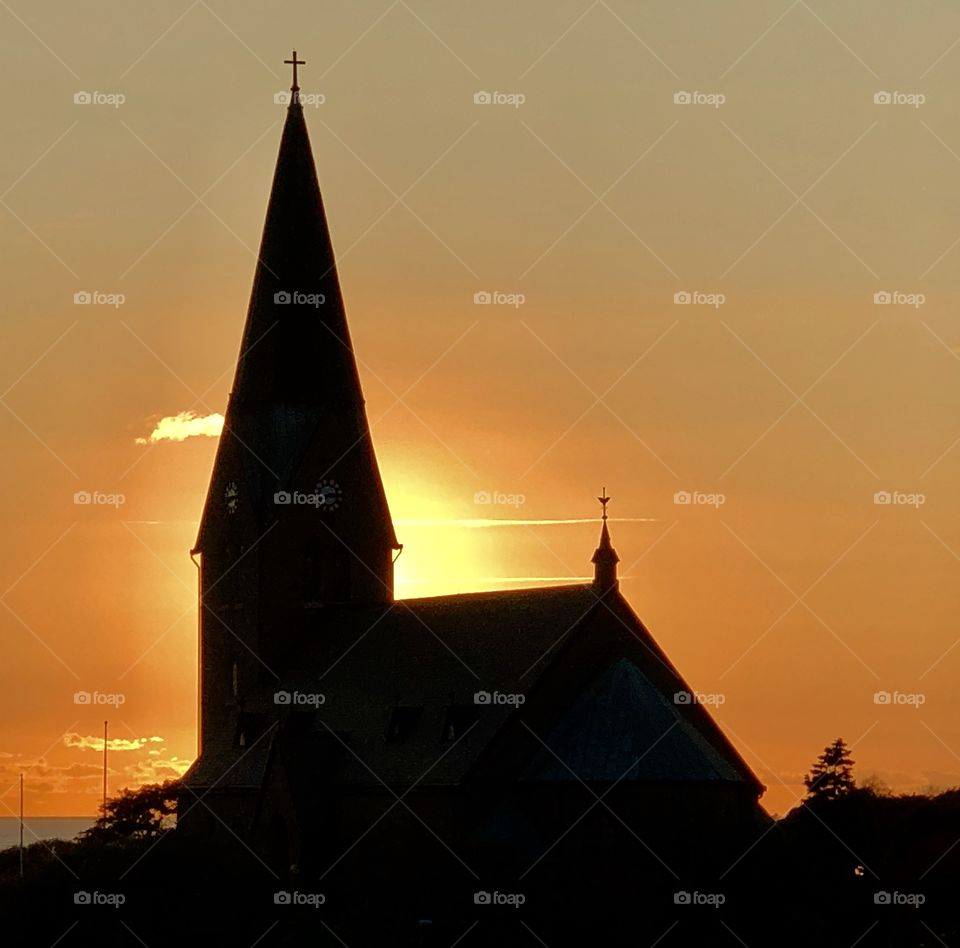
(866, 870)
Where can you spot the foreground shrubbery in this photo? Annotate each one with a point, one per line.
(862, 864)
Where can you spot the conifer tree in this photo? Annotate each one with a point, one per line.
(832, 774)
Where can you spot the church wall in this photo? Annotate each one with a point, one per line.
(228, 637)
(221, 813)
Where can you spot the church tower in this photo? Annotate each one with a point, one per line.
(296, 521)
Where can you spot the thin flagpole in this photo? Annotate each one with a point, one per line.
(104, 768)
(21, 824)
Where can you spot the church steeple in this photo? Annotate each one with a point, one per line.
(605, 557)
(296, 525)
(296, 426)
(296, 344)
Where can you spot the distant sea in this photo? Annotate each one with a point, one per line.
(36, 828)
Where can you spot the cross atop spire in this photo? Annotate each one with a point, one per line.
(295, 62)
(604, 500)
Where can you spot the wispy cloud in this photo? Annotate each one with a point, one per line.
(156, 770)
(82, 742)
(187, 424)
(143, 764)
(43, 777)
(71, 770)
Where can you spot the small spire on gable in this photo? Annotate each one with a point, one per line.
(605, 557)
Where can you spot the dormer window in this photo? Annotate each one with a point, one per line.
(403, 722)
(459, 719)
(249, 727)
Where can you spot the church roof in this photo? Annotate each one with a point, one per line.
(624, 728)
(225, 768)
(432, 653)
(425, 660)
(415, 651)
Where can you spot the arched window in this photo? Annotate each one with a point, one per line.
(226, 578)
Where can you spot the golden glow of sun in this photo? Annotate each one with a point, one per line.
(440, 555)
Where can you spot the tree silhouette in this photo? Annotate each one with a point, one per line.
(832, 774)
(144, 813)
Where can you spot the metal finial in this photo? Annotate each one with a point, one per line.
(604, 500)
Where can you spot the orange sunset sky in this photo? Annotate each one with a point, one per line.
(590, 193)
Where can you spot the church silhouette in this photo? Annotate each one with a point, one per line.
(442, 756)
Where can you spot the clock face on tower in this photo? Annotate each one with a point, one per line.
(329, 495)
(231, 497)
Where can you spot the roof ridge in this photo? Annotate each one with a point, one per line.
(493, 593)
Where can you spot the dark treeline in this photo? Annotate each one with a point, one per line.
(852, 865)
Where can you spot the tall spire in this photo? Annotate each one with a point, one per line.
(605, 557)
(296, 419)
